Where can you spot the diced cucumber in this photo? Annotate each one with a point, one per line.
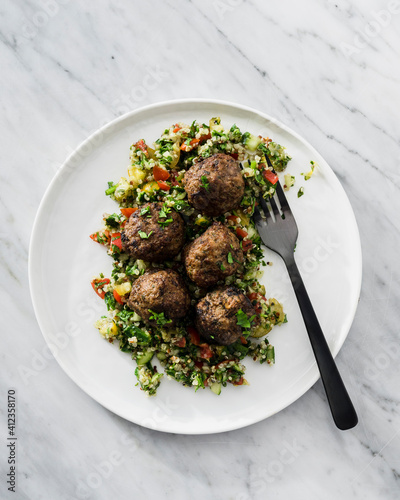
(144, 358)
(142, 336)
(161, 356)
(270, 354)
(216, 388)
(251, 141)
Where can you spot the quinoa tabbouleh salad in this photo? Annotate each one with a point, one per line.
(187, 256)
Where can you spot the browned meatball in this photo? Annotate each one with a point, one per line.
(161, 291)
(207, 258)
(216, 318)
(214, 185)
(164, 239)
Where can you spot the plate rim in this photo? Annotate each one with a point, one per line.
(38, 220)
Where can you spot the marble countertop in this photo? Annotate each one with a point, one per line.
(330, 70)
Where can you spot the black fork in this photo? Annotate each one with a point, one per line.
(278, 231)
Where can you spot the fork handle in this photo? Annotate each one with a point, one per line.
(342, 408)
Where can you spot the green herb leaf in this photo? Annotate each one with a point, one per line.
(165, 223)
(222, 267)
(230, 258)
(193, 129)
(164, 211)
(145, 210)
(109, 300)
(300, 192)
(160, 318)
(204, 181)
(125, 315)
(145, 236)
(243, 320)
(113, 221)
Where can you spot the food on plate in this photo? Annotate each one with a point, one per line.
(159, 297)
(154, 233)
(184, 297)
(213, 256)
(224, 315)
(214, 185)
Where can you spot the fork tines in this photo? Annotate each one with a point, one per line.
(276, 206)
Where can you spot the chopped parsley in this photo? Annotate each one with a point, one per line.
(222, 267)
(300, 192)
(113, 221)
(145, 236)
(193, 129)
(160, 318)
(125, 315)
(163, 215)
(164, 211)
(205, 182)
(243, 320)
(145, 210)
(109, 300)
(100, 238)
(133, 270)
(230, 258)
(165, 223)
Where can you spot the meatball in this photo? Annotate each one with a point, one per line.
(161, 291)
(153, 237)
(214, 185)
(213, 256)
(216, 318)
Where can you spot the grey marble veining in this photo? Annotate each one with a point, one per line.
(330, 70)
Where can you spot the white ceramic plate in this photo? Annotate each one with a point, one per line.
(63, 261)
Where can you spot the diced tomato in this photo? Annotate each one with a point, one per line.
(270, 176)
(101, 237)
(247, 245)
(160, 173)
(181, 342)
(173, 180)
(117, 297)
(205, 351)
(198, 364)
(243, 340)
(163, 185)
(98, 286)
(195, 142)
(241, 232)
(116, 240)
(193, 335)
(253, 296)
(233, 219)
(235, 156)
(128, 211)
(239, 382)
(258, 308)
(176, 129)
(256, 297)
(142, 145)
